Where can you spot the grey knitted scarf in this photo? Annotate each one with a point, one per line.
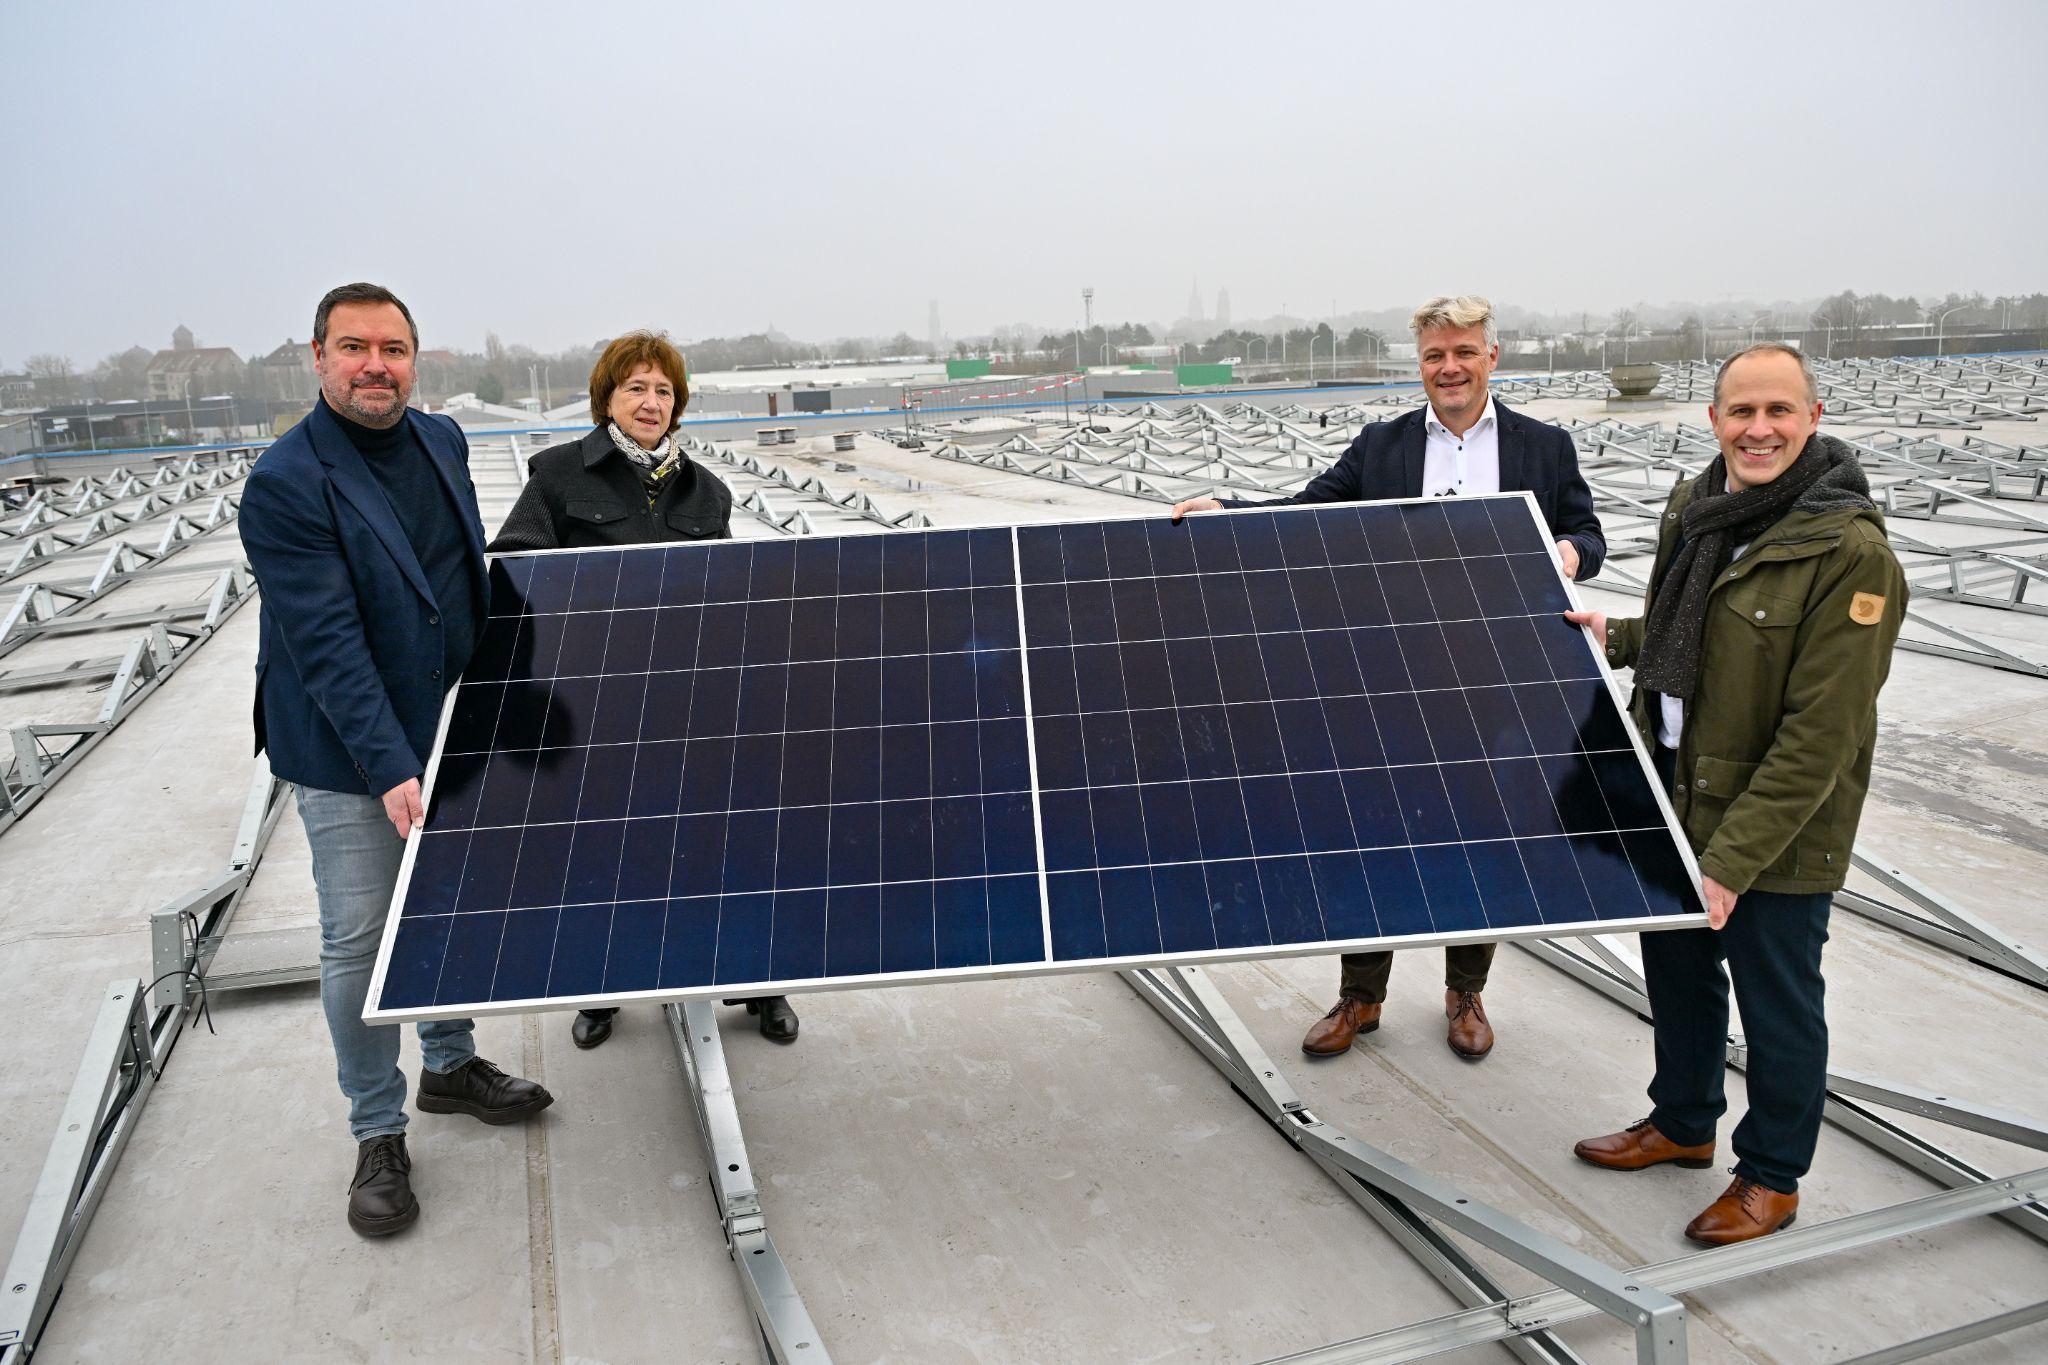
(1824, 477)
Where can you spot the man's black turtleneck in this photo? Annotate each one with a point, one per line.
(432, 522)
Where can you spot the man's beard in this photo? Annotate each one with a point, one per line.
(345, 404)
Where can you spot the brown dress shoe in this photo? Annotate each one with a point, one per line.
(1470, 1036)
(1745, 1210)
(1334, 1032)
(1640, 1145)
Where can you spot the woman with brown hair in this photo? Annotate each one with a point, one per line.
(628, 482)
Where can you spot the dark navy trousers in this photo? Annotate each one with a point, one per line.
(1772, 947)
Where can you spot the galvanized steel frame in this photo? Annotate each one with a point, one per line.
(807, 485)
(1385, 1188)
(42, 754)
(1167, 455)
(1406, 1202)
(1853, 1102)
(38, 755)
(755, 500)
(137, 1029)
(123, 1058)
(783, 1326)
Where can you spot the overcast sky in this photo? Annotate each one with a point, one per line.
(561, 172)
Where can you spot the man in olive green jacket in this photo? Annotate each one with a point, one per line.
(1774, 603)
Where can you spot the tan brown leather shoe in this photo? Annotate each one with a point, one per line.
(1744, 1210)
(1640, 1145)
(1335, 1032)
(1469, 1035)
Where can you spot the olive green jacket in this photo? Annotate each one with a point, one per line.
(1774, 756)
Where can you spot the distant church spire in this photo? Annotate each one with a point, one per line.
(1195, 301)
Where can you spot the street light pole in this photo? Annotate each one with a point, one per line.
(1312, 357)
(1941, 328)
(1087, 322)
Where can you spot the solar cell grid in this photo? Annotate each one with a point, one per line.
(711, 771)
(1347, 722)
(705, 768)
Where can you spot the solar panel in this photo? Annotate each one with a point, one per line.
(733, 768)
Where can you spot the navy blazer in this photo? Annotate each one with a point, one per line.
(348, 674)
(1386, 462)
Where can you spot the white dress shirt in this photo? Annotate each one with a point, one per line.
(1670, 709)
(1461, 464)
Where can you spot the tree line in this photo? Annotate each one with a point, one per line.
(1845, 323)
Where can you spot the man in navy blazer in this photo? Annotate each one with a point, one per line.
(361, 524)
(1460, 441)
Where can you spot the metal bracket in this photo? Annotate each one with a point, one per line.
(114, 1080)
(782, 1325)
(1402, 1199)
(1929, 918)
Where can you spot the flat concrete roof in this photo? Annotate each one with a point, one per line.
(1003, 1171)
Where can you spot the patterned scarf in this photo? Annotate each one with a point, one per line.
(654, 466)
(1824, 476)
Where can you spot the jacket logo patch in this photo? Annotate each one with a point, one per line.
(1866, 608)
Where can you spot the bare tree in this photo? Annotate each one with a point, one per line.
(54, 376)
(124, 374)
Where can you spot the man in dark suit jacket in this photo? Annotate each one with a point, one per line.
(361, 524)
(1461, 441)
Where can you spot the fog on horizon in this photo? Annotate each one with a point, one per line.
(555, 174)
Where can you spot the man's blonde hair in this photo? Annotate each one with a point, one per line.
(1462, 310)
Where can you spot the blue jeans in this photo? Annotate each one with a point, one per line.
(356, 854)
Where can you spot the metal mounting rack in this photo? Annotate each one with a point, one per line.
(1166, 455)
(125, 1053)
(55, 523)
(127, 1048)
(43, 753)
(1418, 1210)
(750, 478)
(134, 1036)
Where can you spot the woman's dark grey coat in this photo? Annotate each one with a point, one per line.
(588, 493)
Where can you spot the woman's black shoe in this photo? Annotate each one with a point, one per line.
(591, 1027)
(778, 1020)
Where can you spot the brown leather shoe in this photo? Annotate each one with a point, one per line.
(1745, 1210)
(1640, 1145)
(1334, 1032)
(1469, 1035)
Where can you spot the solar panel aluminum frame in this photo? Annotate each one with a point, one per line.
(1050, 964)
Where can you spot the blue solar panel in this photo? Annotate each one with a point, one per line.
(710, 769)
(715, 764)
(1349, 722)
